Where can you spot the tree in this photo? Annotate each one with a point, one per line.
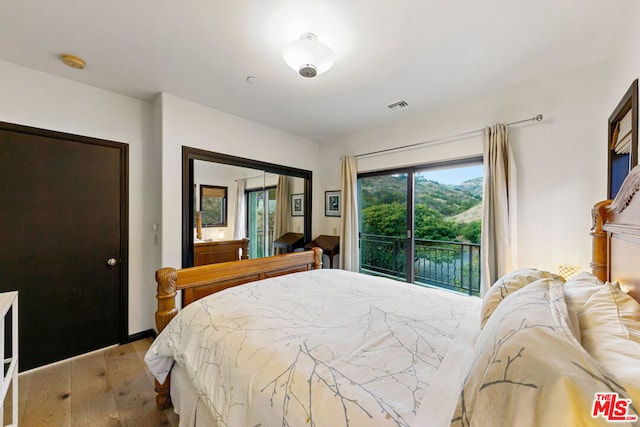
(385, 219)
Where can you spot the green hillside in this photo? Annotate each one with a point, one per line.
(383, 206)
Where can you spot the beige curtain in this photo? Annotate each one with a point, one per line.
(498, 241)
(349, 250)
(281, 220)
(239, 226)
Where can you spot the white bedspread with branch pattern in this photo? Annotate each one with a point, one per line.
(320, 348)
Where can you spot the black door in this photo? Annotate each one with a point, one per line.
(63, 241)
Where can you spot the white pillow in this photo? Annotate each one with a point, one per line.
(508, 284)
(528, 369)
(577, 290)
(610, 330)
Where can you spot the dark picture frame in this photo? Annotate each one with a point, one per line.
(332, 203)
(297, 204)
(619, 163)
(213, 205)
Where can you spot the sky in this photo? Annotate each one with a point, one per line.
(453, 175)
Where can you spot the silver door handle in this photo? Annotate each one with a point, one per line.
(112, 262)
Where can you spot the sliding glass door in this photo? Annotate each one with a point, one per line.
(260, 216)
(385, 224)
(423, 224)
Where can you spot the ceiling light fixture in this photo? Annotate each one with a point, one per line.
(308, 56)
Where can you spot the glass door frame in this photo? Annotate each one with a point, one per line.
(411, 171)
(266, 247)
(408, 237)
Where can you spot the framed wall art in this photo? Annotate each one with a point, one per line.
(332, 203)
(623, 140)
(297, 204)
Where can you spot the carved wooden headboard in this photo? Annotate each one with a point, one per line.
(616, 237)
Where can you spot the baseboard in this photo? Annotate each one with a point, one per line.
(140, 335)
(60, 362)
(131, 338)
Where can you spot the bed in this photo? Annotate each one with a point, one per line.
(282, 341)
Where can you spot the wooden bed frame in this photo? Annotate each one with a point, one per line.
(198, 282)
(615, 230)
(616, 237)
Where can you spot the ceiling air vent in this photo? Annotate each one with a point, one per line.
(398, 106)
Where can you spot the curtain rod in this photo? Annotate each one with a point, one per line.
(537, 118)
(259, 176)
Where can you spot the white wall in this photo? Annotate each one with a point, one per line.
(626, 63)
(41, 100)
(185, 123)
(155, 133)
(561, 161)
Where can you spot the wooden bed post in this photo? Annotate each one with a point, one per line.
(245, 249)
(166, 296)
(317, 258)
(166, 279)
(600, 250)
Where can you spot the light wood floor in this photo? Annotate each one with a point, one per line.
(110, 387)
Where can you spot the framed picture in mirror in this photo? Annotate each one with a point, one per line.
(213, 205)
(297, 204)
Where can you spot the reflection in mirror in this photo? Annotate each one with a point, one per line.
(260, 226)
(212, 205)
(257, 205)
(207, 175)
(268, 214)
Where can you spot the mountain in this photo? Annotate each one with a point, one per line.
(472, 214)
(446, 200)
(472, 186)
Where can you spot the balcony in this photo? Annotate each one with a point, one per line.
(257, 244)
(449, 265)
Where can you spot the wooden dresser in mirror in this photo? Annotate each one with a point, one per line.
(219, 251)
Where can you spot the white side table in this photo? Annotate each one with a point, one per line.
(9, 300)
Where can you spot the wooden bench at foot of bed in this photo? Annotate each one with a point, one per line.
(198, 282)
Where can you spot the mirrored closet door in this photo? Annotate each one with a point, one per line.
(230, 202)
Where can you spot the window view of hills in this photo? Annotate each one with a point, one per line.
(445, 212)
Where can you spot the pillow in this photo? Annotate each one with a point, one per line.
(507, 284)
(610, 330)
(528, 369)
(577, 290)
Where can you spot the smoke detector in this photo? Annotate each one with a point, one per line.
(73, 61)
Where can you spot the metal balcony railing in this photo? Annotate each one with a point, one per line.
(450, 265)
(257, 249)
